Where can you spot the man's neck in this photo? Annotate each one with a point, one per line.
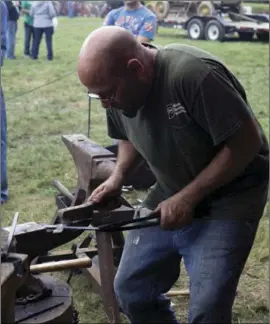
(150, 55)
(133, 6)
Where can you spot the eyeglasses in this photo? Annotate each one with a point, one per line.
(95, 96)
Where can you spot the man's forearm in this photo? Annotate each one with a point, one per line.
(232, 159)
(125, 159)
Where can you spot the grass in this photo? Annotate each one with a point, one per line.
(36, 154)
(258, 7)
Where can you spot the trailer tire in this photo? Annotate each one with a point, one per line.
(206, 8)
(162, 9)
(246, 36)
(195, 29)
(214, 31)
(151, 8)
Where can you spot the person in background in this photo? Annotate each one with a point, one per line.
(136, 18)
(43, 13)
(28, 27)
(4, 183)
(12, 26)
(70, 9)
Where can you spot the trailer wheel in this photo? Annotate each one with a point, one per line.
(246, 36)
(162, 9)
(195, 29)
(206, 8)
(214, 31)
(150, 7)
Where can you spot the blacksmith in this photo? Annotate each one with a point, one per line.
(189, 117)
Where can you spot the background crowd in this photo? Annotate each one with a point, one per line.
(40, 18)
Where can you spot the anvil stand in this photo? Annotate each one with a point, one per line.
(94, 164)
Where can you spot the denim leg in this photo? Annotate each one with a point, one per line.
(70, 9)
(11, 38)
(4, 184)
(48, 37)
(27, 38)
(149, 267)
(215, 252)
(38, 32)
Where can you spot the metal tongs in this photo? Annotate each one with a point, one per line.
(152, 219)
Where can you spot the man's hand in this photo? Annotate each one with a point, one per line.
(176, 212)
(110, 188)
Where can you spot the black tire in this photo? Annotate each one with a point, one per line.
(246, 36)
(214, 31)
(263, 37)
(195, 29)
(206, 9)
(162, 9)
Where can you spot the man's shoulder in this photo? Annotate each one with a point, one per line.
(187, 58)
(117, 12)
(183, 64)
(147, 12)
(189, 50)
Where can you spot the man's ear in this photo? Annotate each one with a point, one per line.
(135, 66)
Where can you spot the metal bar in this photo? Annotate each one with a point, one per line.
(62, 189)
(8, 244)
(40, 312)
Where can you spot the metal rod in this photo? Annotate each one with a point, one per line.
(62, 189)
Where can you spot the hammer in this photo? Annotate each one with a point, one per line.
(61, 265)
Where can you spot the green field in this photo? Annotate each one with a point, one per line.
(36, 154)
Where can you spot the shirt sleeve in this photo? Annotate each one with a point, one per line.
(4, 18)
(110, 19)
(149, 28)
(115, 127)
(52, 11)
(218, 107)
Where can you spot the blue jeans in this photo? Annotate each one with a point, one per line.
(4, 185)
(28, 38)
(38, 33)
(11, 38)
(70, 9)
(214, 253)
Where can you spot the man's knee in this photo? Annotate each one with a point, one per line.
(123, 290)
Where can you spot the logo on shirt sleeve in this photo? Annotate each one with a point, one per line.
(148, 26)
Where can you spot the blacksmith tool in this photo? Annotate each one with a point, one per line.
(75, 213)
(153, 219)
(61, 265)
(6, 249)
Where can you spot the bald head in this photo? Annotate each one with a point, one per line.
(105, 51)
(116, 67)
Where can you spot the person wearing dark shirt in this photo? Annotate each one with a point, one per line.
(189, 117)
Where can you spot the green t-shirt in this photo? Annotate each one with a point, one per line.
(27, 18)
(194, 106)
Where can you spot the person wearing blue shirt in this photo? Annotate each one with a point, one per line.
(4, 186)
(136, 18)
